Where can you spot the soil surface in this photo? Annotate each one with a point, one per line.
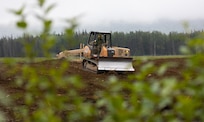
(92, 80)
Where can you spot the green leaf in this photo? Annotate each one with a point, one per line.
(41, 2)
(2, 118)
(162, 69)
(21, 24)
(47, 23)
(49, 8)
(168, 86)
(18, 12)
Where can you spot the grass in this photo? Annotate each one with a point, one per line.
(159, 57)
(23, 59)
(20, 59)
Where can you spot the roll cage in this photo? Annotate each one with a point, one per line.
(106, 37)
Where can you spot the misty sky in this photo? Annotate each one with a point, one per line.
(90, 12)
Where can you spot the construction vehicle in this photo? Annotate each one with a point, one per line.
(99, 55)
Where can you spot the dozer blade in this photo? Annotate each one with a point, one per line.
(115, 64)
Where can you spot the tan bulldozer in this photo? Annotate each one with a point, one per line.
(99, 55)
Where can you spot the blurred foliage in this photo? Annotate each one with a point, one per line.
(166, 99)
(51, 96)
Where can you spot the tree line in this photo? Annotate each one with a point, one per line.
(139, 42)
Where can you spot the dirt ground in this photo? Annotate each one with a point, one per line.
(92, 80)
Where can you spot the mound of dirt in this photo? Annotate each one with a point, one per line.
(92, 80)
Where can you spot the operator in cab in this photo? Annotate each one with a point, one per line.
(99, 43)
